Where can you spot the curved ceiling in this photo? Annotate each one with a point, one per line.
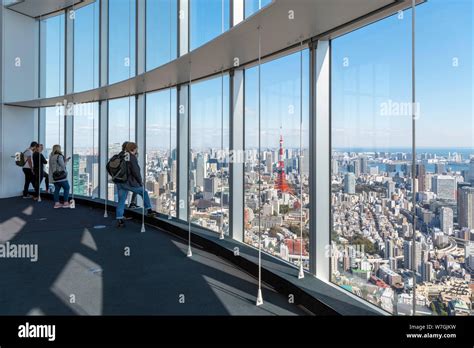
(283, 23)
(42, 8)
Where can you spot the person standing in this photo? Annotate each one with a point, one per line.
(133, 184)
(133, 201)
(28, 169)
(58, 176)
(38, 168)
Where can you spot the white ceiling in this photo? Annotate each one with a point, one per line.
(37, 8)
(312, 18)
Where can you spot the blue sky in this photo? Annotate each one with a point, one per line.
(371, 68)
(378, 69)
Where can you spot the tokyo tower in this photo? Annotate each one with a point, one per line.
(281, 183)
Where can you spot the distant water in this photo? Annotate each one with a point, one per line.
(465, 153)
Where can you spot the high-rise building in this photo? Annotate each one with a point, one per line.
(174, 172)
(471, 171)
(390, 185)
(421, 176)
(364, 165)
(335, 167)
(162, 179)
(427, 272)
(388, 249)
(268, 162)
(356, 166)
(304, 165)
(444, 186)
(349, 183)
(466, 207)
(440, 168)
(211, 186)
(409, 262)
(469, 255)
(446, 220)
(200, 170)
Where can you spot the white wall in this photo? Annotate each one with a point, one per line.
(19, 82)
(18, 128)
(20, 56)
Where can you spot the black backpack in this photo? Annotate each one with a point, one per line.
(20, 160)
(117, 168)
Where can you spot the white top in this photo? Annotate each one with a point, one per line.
(27, 154)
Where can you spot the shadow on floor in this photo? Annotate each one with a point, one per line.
(86, 266)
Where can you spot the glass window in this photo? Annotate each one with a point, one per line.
(445, 157)
(209, 170)
(372, 186)
(121, 129)
(276, 178)
(122, 40)
(252, 6)
(52, 53)
(85, 164)
(161, 155)
(161, 32)
(209, 19)
(86, 47)
(54, 129)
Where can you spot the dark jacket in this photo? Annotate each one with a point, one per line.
(134, 178)
(38, 157)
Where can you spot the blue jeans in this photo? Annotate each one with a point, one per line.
(65, 186)
(123, 190)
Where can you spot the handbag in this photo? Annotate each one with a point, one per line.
(59, 174)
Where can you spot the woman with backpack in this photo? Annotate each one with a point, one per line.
(58, 176)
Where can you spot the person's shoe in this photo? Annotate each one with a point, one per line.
(66, 205)
(127, 218)
(133, 206)
(35, 198)
(151, 213)
(27, 196)
(120, 223)
(57, 205)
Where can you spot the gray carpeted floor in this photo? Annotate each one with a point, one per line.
(85, 270)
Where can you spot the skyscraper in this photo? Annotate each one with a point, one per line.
(446, 220)
(390, 185)
(444, 186)
(421, 176)
(200, 170)
(364, 165)
(335, 167)
(466, 207)
(440, 168)
(471, 171)
(388, 253)
(427, 272)
(268, 162)
(356, 166)
(349, 183)
(408, 255)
